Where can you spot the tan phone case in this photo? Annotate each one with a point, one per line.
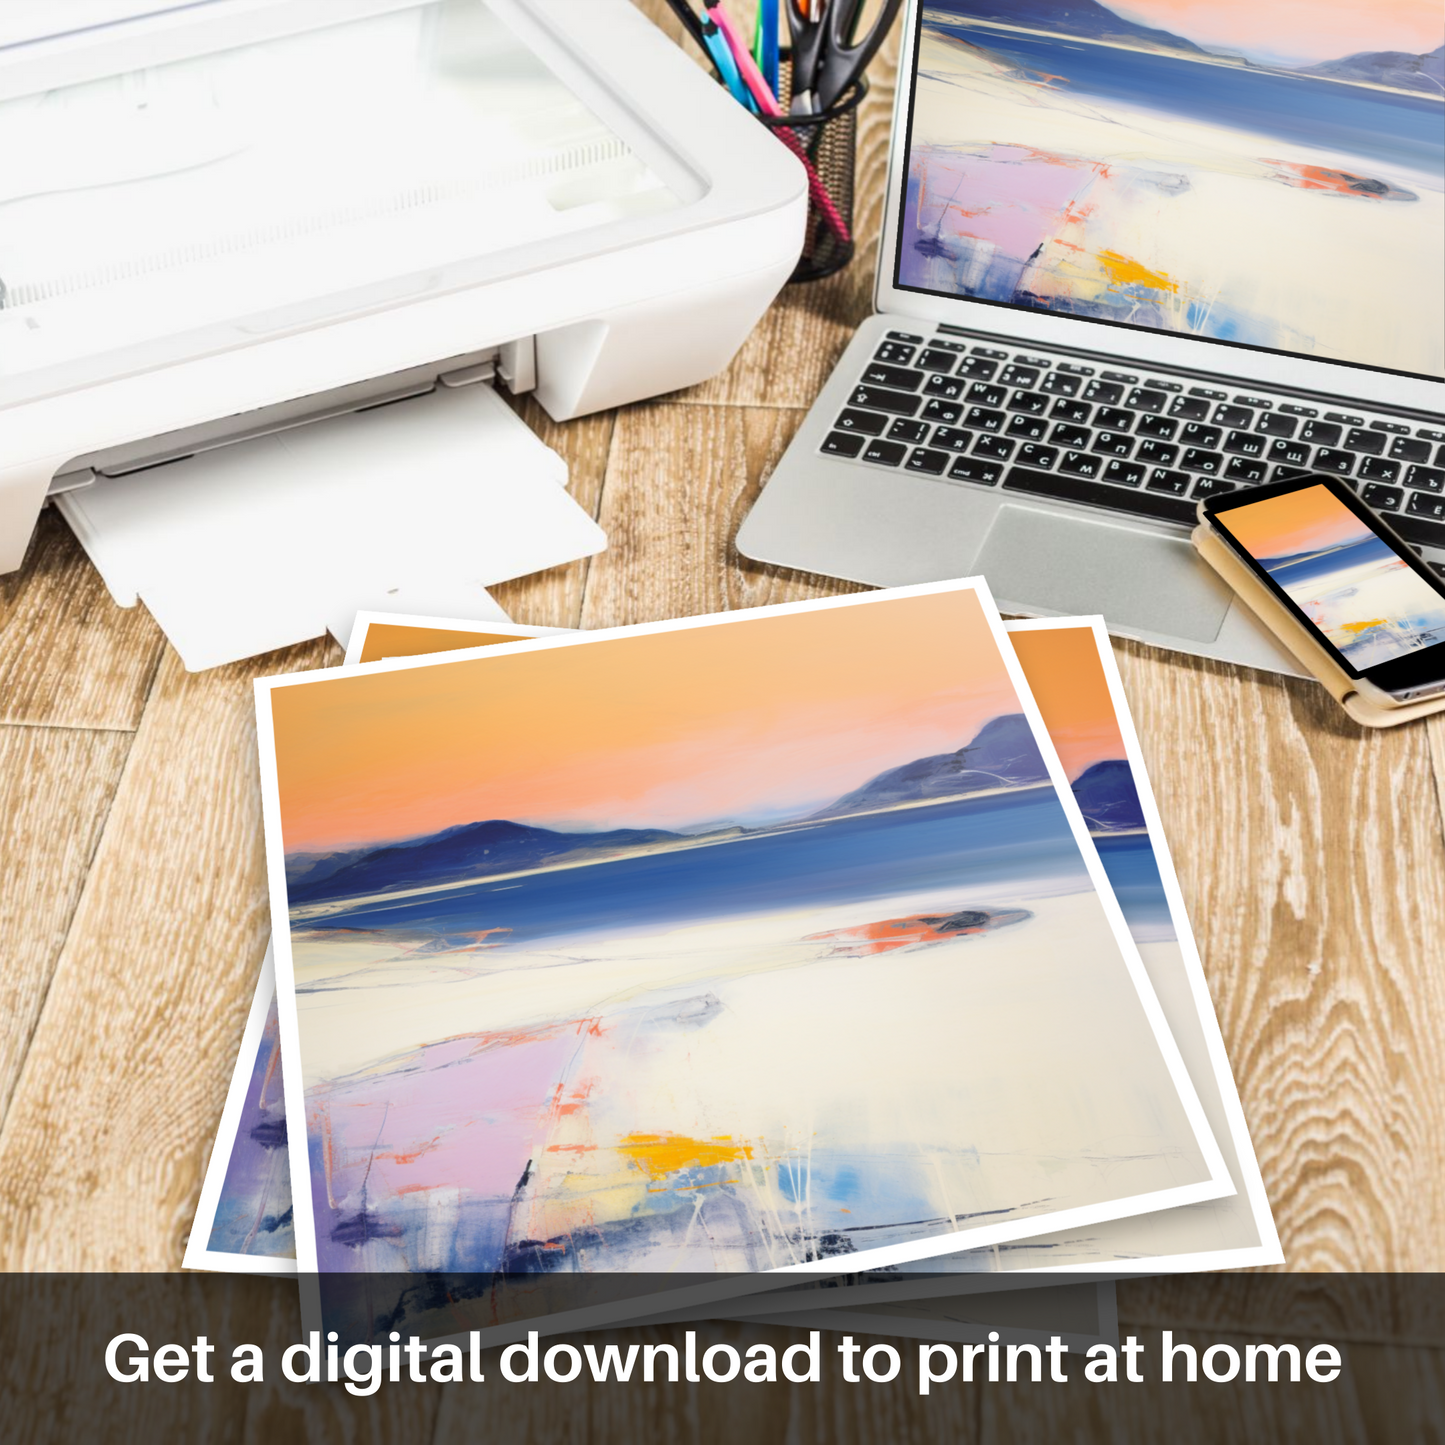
(1297, 638)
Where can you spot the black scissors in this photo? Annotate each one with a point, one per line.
(828, 56)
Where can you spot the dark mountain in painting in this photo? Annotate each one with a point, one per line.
(1003, 755)
(1083, 18)
(470, 850)
(1396, 68)
(1107, 798)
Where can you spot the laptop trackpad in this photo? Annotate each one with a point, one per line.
(1071, 565)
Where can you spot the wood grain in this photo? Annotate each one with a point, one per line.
(102, 1149)
(69, 657)
(1311, 859)
(56, 786)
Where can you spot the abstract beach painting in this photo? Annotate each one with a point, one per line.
(734, 944)
(1366, 601)
(1242, 172)
(244, 1220)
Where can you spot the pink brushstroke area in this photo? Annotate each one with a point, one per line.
(459, 1117)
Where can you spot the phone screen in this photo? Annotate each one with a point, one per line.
(1372, 605)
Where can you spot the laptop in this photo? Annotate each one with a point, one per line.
(1131, 258)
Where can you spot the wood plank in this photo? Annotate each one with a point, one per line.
(101, 1152)
(56, 786)
(679, 481)
(554, 598)
(1312, 862)
(69, 657)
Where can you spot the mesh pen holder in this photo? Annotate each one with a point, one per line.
(826, 143)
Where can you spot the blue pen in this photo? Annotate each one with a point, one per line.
(727, 67)
(768, 28)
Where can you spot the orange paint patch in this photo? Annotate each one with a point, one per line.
(871, 938)
(1124, 271)
(1338, 183)
(659, 1155)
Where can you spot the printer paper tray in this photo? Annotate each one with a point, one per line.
(417, 506)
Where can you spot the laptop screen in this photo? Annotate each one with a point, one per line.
(1252, 172)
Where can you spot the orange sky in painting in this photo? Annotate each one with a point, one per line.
(743, 720)
(1068, 683)
(1304, 521)
(1306, 31)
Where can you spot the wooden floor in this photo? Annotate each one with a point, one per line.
(1311, 853)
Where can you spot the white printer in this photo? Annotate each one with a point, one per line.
(223, 220)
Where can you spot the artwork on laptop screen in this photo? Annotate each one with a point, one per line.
(1369, 604)
(656, 965)
(1251, 171)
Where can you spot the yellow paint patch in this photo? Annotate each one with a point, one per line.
(1124, 269)
(1363, 626)
(659, 1155)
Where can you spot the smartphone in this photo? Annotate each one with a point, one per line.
(1370, 602)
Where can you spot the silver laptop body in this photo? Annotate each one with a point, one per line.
(1063, 458)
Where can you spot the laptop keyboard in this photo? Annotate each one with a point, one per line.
(1146, 445)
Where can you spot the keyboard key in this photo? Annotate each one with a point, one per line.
(1427, 479)
(1233, 415)
(1376, 469)
(1037, 361)
(1123, 376)
(1163, 480)
(867, 422)
(1035, 403)
(1381, 498)
(1114, 418)
(983, 419)
(1157, 454)
(958, 347)
(973, 469)
(990, 352)
(1070, 436)
(1212, 486)
(1076, 411)
(935, 360)
(1405, 449)
(1124, 474)
(998, 448)
(948, 387)
(1189, 408)
(1321, 433)
(1344, 419)
(895, 353)
(1372, 443)
(955, 439)
(877, 374)
(923, 459)
(877, 398)
(1112, 444)
(1019, 376)
(1077, 370)
(1162, 427)
(982, 394)
(977, 369)
(1289, 474)
(843, 444)
(886, 454)
(904, 430)
(1440, 457)
(1292, 454)
(1081, 464)
(1245, 444)
(1240, 469)
(1060, 383)
(1328, 459)
(936, 410)
(1424, 504)
(1419, 530)
(1429, 434)
(1107, 392)
(1145, 399)
(1195, 435)
(1398, 428)
(1074, 488)
(905, 336)
(1294, 410)
(1272, 424)
(1208, 394)
(1032, 456)
(1199, 460)
(1030, 427)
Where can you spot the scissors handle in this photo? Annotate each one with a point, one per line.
(844, 58)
